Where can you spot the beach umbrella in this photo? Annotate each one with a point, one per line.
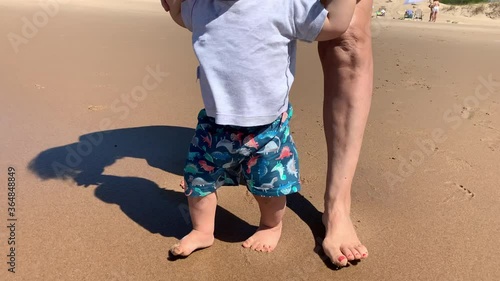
(411, 2)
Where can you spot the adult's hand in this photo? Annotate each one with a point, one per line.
(165, 5)
(174, 8)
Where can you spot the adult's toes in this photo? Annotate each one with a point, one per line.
(347, 252)
(336, 256)
(363, 251)
(356, 253)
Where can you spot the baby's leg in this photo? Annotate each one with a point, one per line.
(271, 173)
(268, 234)
(202, 211)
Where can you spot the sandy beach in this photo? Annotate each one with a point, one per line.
(99, 105)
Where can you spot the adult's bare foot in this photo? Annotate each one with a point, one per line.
(191, 242)
(341, 243)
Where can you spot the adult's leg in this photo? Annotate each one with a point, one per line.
(348, 80)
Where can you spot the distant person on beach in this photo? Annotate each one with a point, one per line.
(434, 6)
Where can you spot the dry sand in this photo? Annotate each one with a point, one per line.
(120, 208)
(478, 14)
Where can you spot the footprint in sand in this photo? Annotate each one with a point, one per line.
(493, 143)
(492, 131)
(493, 107)
(466, 113)
(457, 163)
(308, 180)
(459, 193)
(484, 123)
(411, 84)
(96, 107)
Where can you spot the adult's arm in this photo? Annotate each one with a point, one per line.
(339, 17)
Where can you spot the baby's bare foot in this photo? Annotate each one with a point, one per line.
(191, 242)
(341, 241)
(265, 239)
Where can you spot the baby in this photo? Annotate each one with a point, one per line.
(246, 51)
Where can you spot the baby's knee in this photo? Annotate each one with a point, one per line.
(271, 202)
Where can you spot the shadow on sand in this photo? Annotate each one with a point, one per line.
(156, 209)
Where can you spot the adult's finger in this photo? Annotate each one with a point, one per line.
(165, 5)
